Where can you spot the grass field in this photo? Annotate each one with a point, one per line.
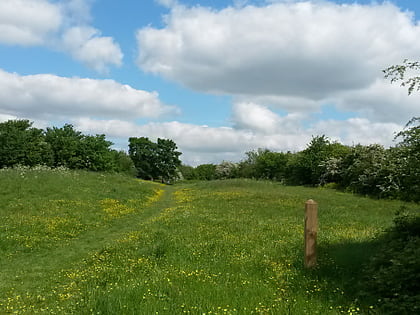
(86, 243)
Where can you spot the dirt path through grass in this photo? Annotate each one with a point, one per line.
(38, 268)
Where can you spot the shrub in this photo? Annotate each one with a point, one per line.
(393, 274)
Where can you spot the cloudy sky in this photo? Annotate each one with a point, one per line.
(219, 77)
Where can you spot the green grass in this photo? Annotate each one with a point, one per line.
(85, 243)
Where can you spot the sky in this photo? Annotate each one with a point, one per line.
(218, 77)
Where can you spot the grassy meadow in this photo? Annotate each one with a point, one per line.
(88, 243)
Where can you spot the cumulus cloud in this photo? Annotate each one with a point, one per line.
(299, 55)
(379, 101)
(77, 11)
(46, 96)
(260, 119)
(88, 46)
(60, 26)
(28, 22)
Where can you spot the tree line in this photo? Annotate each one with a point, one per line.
(23, 144)
(365, 169)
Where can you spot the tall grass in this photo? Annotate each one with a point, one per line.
(222, 247)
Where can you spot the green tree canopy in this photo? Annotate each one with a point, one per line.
(23, 144)
(154, 160)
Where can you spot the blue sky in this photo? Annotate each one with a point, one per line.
(218, 77)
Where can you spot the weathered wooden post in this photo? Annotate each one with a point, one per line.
(311, 227)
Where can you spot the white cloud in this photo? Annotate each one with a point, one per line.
(77, 11)
(357, 131)
(7, 117)
(59, 26)
(380, 101)
(260, 119)
(28, 22)
(86, 45)
(298, 55)
(46, 96)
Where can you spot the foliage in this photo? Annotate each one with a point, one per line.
(393, 279)
(407, 161)
(205, 172)
(267, 164)
(122, 163)
(167, 159)
(65, 143)
(74, 150)
(365, 169)
(226, 170)
(309, 167)
(143, 153)
(23, 144)
(399, 73)
(187, 172)
(154, 160)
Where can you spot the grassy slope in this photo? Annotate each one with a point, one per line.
(86, 243)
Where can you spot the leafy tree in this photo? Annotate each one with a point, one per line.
(226, 170)
(367, 170)
(154, 160)
(187, 172)
(264, 164)
(309, 164)
(167, 158)
(143, 153)
(407, 160)
(74, 150)
(95, 154)
(23, 144)
(122, 163)
(205, 172)
(65, 143)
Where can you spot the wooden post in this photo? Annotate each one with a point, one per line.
(311, 227)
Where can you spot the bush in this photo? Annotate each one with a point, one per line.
(393, 274)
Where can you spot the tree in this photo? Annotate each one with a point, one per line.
(65, 144)
(167, 159)
(23, 144)
(143, 153)
(226, 170)
(407, 151)
(154, 160)
(407, 156)
(399, 73)
(308, 164)
(74, 150)
(205, 172)
(95, 154)
(187, 172)
(122, 163)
